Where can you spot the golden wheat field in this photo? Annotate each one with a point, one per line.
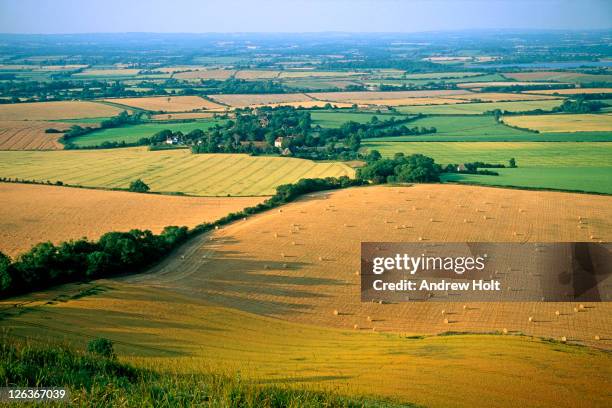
(30, 135)
(167, 103)
(307, 104)
(37, 213)
(237, 100)
(300, 264)
(499, 83)
(563, 123)
(56, 110)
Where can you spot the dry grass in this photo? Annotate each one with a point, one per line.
(320, 275)
(308, 104)
(499, 97)
(34, 213)
(254, 74)
(167, 103)
(260, 99)
(29, 135)
(573, 91)
(563, 123)
(56, 110)
(109, 72)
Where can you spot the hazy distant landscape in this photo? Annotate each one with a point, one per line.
(183, 212)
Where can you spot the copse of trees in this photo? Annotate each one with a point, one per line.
(401, 169)
(580, 105)
(47, 265)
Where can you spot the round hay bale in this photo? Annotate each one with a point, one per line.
(369, 318)
(357, 273)
(597, 338)
(356, 327)
(380, 302)
(443, 311)
(576, 310)
(280, 211)
(530, 319)
(505, 331)
(557, 313)
(563, 339)
(285, 266)
(445, 321)
(581, 306)
(266, 266)
(420, 238)
(320, 258)
(336, 313)
(216, 227)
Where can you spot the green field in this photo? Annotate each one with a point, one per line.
(473, 128)
(131, 134)
(585, 166)
(166, 171)
(336, 119)
(409, 81)
(480, 108)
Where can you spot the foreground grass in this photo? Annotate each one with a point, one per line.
(156, 329)
(106, 382)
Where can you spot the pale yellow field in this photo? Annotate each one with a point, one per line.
(260, 99)
(317, 74)
(37, 213)
(300, 264)
(167, 103)
(573, 91)
(56, 110)
(563, 123)
(362, 96)
(499, 97)
(206, 74)
(253, 74)
(30, 135)
(186, 115)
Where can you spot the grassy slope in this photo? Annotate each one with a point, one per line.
(336, 119)
(156, 329)
(167, 171)
(583, 166)
(131, 134)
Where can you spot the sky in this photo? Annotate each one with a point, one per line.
(202, 16)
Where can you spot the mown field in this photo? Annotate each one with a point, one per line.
(30, 135)
(56, 110)
(330, 119)
(133, 133)
(584, 166)
(36, 213)
(167, 171)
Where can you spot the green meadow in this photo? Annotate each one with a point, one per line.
(131, 134)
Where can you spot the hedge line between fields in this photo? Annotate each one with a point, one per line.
(115, 253)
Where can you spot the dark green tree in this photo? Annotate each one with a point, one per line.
(139, 186)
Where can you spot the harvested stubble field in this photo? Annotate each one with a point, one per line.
(307, 104)
(498, 83)
(563, 123)
(167, 170)
(258, 296)
(300, 264)
(167, 103)
(237, 100)
(30, 135)
(56, 110)
(407, 101)
(572, 91)
(36, 213)
(108, 72)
